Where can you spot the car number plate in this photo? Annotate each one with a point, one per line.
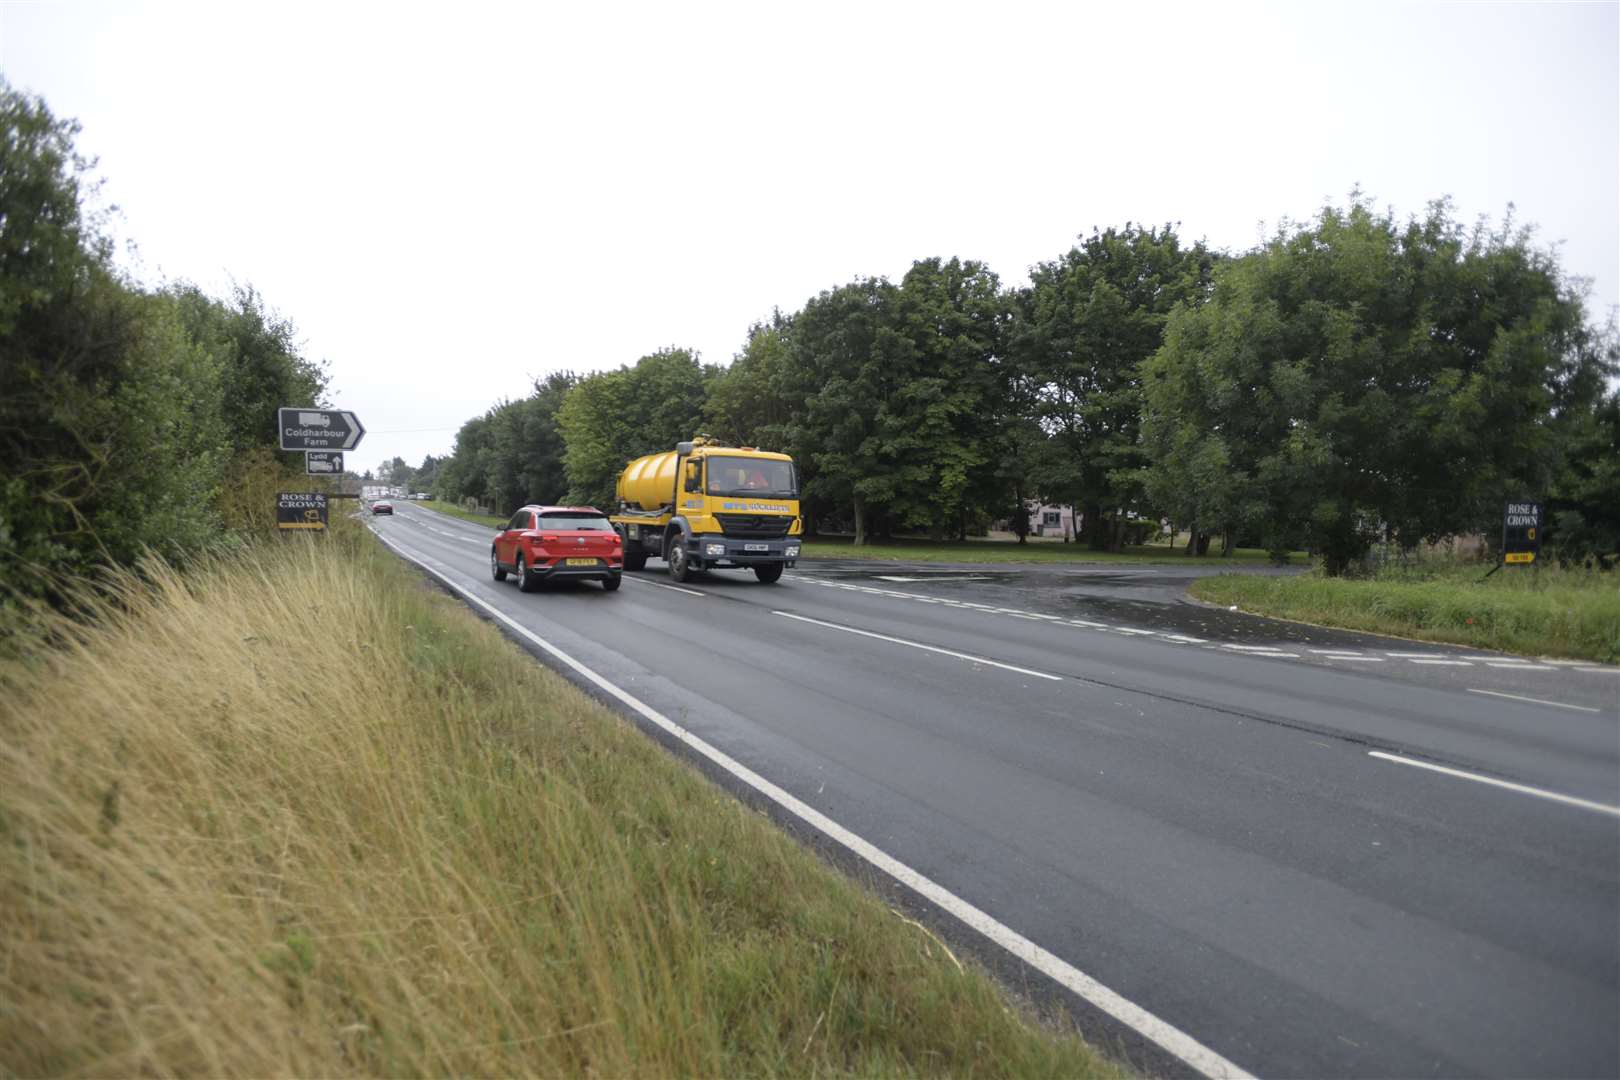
(581, 562)
(756, 547)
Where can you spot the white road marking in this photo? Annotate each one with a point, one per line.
(1183, 638)
(1519, 665)
(1358, 659)
(1337, 652)
(1451, 663)
(1599, 670)
(1523, 789)
(1089, 624)
(919, 645)
(1132, 630)
(1410, 655)
(1534, 700)
(661, 585)
(1251, 648)
(1171, 1039)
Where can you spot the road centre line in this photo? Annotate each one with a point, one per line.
(920, 645)
(661, 585)
(1533, 700)
(1171, 1039)
(1523, 789)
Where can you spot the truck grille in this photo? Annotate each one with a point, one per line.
(754, 526)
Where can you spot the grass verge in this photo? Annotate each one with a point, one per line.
(1002, 551)
(465, 515)
(1552, 612)
(297, 813)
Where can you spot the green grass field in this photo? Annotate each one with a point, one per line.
(1001, 551)
(1550, 612)
(300, 814)
(455, 511)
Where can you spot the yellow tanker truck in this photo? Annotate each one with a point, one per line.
(705, 506)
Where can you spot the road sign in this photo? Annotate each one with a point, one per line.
(1521, 532)
(318, 429)
(323, 462)
(300, 509)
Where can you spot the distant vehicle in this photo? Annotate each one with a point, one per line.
(422, 495)
(314, 419)
(545, 543)
(382, 508)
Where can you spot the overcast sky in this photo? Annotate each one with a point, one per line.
(452, 200)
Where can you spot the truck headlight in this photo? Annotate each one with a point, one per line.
(714, 549)
(793, 553)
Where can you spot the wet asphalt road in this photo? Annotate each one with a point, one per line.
(1234, 823)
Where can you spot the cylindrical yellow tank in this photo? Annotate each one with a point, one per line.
(649, 482)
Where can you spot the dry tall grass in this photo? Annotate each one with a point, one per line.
(296, 813)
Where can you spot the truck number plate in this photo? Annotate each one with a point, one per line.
(756, 547)
(581, 562)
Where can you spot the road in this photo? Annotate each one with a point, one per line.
(1309, 852)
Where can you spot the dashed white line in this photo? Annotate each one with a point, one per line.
(1533, 700)
(661, 585)
(1519, 665)
(1523, 789)
(1409, 655)
(1449, 663)
(1172, 1039)
(919, 645)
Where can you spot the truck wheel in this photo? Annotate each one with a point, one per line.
(495, 570)
(527, 581)
(635, 560)
(675, 556)
(768, 572)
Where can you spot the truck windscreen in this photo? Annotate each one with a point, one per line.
(752, 476)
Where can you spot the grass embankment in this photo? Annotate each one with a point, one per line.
(1006, 551)
(1552, 612)
(466, 515)
(296, 813)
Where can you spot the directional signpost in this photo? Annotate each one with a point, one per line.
(318, 429)
(301, 510)
(323, 463)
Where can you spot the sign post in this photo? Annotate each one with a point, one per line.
(323, 462)
(299, 510)
(1521, 532)
(318, 429)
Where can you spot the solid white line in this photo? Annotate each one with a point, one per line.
(661, 585)
(1532, 700)
(919, 645)
(1171, 1039)
(1540, 793)
(1451, 663)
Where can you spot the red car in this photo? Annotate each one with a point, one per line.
(547, 543)
(382, 508)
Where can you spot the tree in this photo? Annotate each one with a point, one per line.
(752, 403)
(1356, 379)
(610, 418)
(1081, 331)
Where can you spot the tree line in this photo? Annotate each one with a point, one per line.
(129, 416)
(1355, 379)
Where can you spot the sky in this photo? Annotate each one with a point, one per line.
(450, 201)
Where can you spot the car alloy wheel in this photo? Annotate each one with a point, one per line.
(495, 570)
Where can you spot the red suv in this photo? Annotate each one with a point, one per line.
(545, 543)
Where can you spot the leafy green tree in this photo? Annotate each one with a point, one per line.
(1583, 504)
(752, 402)
(110, 414)
(846, 353)
(1081, 331)
(609, 418)
(1357, 379)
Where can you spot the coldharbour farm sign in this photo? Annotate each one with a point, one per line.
(318, 429)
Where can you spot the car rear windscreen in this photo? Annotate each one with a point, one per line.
(576, 522)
